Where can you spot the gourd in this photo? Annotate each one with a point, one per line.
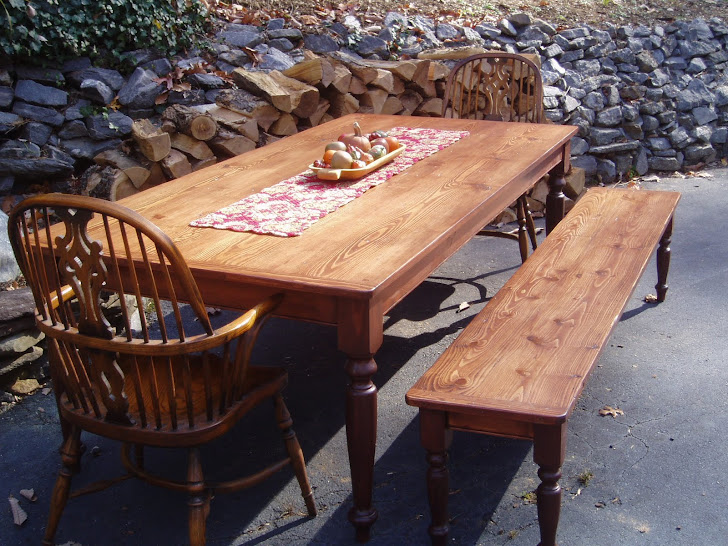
(356, 139)
(341, 160)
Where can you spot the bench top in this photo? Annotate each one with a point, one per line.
(526, 356)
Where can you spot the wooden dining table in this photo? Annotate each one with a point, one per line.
(352, 266)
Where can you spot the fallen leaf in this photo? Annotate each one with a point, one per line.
(29, 494)
(19, 515)
(310, 19)
(115, 104)
(600, 504)
(463, 306)
(255, 57)
(652, 178)
(609, 410)
(650, 298)
(161, 99)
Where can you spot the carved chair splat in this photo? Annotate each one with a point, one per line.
(503, 87)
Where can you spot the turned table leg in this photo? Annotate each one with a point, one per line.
(361, 437)
(436, 439)
(549, 450)
(555, 200)
(663, 262)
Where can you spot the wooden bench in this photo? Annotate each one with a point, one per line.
(519, 367)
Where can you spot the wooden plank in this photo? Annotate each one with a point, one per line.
(529, 352)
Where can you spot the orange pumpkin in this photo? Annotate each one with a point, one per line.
(356, 139)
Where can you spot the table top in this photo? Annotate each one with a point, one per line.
(377, 247)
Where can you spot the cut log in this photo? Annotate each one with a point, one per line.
(246, 103)
(305, 97)
(312, 71)
(357, 67)
(191, 122)
(323, 107)
(421, 80)
(430, 107)
(342, 78)
(384, 80)
(450, 53)
(398, 88)
(410, 101)
(176, 164)
(437, 71)
(137, 173)
(402, 69)
(373, 99)
(191, 146)
(152, 142)
(229, 144)
(343, 104)
(392, 106)
(168, 126)
(285, 93)
(260, 83)
(537, 207)
(156, 176)
(107, 183)
(198, 164)
(285, 125)
(356, 86)
(240, 123)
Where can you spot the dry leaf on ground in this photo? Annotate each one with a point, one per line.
(463, 306)
(29, 494)
(650, 298)
(609, 410)
(19, 515)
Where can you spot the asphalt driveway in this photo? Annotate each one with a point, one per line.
(653, 475)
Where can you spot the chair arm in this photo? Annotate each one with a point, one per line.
(67, 293)
(243, 323)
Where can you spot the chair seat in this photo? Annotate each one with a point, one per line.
(152, 419)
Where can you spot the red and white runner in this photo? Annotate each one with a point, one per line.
(286, 209)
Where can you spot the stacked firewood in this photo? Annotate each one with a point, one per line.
(265, 106)
(187, 140)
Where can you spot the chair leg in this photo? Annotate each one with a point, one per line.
(663, 262)
(521, 208)
(285, 424)
(199, 502)
(70, 453)
(139, 456)
(530, 226)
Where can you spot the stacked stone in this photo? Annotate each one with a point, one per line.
(21, 365)
(643, 98)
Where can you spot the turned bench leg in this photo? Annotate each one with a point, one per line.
(549, 450)
(663, 262)
(436, 439)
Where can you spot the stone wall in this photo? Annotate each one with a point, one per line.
(643, 98)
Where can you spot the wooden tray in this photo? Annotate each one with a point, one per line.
(332, 175)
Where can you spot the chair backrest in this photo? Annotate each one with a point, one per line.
(496, 85)
(75, 253)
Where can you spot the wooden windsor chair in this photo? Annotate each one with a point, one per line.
(153, 383)
(504, 87)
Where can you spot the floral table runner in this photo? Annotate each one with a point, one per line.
(286, 209)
